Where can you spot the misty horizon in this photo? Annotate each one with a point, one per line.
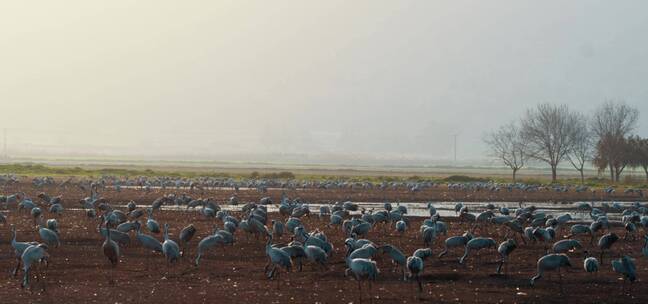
(320, 81)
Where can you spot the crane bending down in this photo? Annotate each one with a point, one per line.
(34, 254)
(551, 261)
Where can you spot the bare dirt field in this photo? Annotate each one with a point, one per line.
(78, 272)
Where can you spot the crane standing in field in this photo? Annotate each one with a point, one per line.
(186, 234)
(415, 265)
(362, 269)
(505, 249)
(278, 259)
(19, 248)
(170, 248)
(49, 236)
(111, 251)
(626, 267)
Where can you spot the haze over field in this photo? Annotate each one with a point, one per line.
(339, 79)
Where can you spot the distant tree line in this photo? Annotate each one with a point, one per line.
(554, 133)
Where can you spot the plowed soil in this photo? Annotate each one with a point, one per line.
(78, 272)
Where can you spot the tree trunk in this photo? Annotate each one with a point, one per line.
(646, 171)
(618, 170)
(553, 174)
(612, 174)
(582, 176)
(514, 172)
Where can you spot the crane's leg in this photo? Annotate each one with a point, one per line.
(15, 272)
(560, 281)
(463, 258)
(536, 277)
(523, 239)
(112, 275)
(25, 282)
(499, 267)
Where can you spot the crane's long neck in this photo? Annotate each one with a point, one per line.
(269, 244)
(13, 236)
(107, 233)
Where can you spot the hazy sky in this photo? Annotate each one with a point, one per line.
(378, 78)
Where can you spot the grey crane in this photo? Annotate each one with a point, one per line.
(116, 235)
(207, 243)
(125, 227)
(361, 229)
(415, 264)
(34, 254)
(186, 234)
(315, 238)
(277, 228)
(316, 255)
(36, 212)
(296, 251)
(401, 227)
(48, 236)
(415, 267)
(429, 235)
(477, 244)
(551, 261)
(423, 253)
(566, 245)
(590, 263)
(147, 241)
(367, 251)
(111, 251)
(517, 229)
(131, 206)
(52, 224)
(19, 248)
(277, 259)
(456, 241)
(353, 243)
(170, 248)
(577, 229)
(626, 267)
(151, 223)
(505, 249)
(606, 242)
(398, 258)
(362, 269)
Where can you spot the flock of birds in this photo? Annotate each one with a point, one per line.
(525, 224)
(263, 184)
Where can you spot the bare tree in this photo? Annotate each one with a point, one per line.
(639, 153)
(611, 124)
(506, 144)
(616, 159)
(548, 129)
(582, 145)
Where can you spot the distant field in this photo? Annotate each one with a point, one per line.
(98, 167)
